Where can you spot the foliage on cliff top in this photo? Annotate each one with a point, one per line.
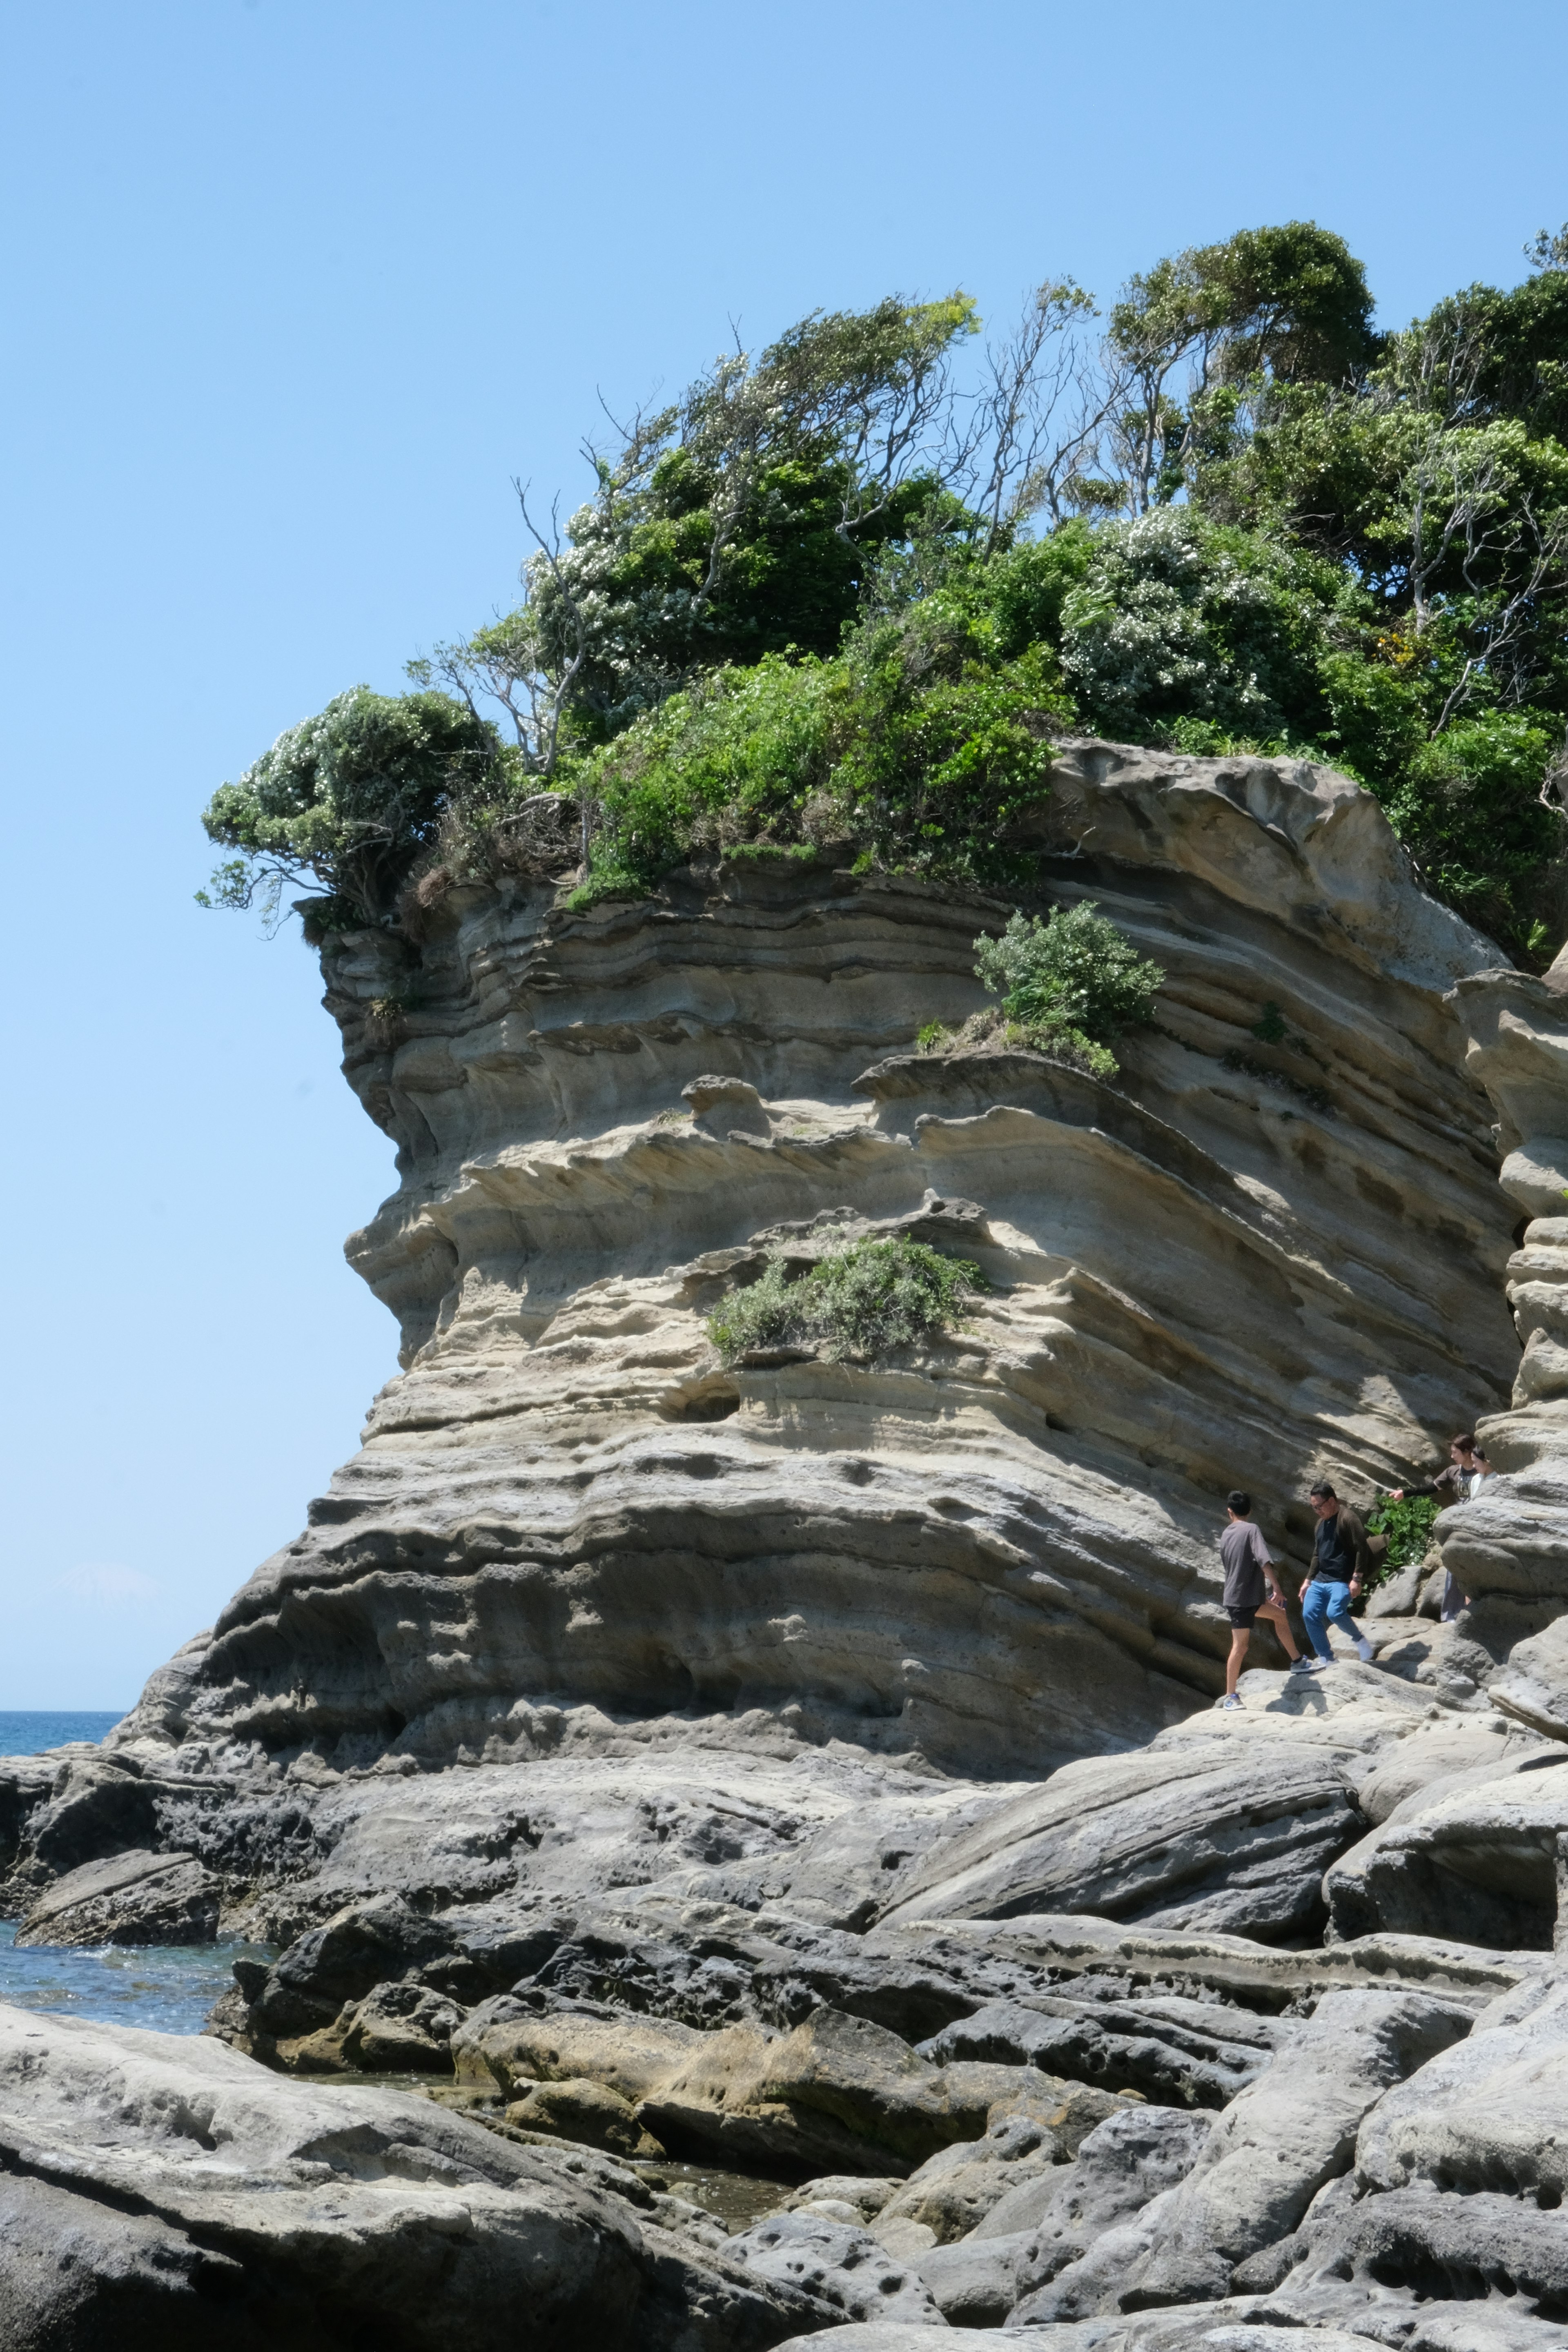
(865, 1299)
(349, 798)
(846, 591)
(916, 746)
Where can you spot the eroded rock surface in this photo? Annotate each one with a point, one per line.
(161, 2191)
(804, 1765)
(571, 1528)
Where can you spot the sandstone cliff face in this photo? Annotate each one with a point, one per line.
(1237, 2027)
(1508, 1549)
(1273, 1249)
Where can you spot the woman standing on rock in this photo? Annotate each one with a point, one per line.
(1467, 1472)
(1250, 1592)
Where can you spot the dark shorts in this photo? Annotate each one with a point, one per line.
(1243, 1617)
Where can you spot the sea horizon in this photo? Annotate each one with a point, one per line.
(28, 1731)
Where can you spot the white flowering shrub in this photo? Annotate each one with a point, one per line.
(347, 801)
(1176, 620)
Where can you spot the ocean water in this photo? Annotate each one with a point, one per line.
(29, 1733)
(169, 1988)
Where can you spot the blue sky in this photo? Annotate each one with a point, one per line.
(293, 288)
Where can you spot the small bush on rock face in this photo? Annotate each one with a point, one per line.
(1071, 984)
(1407, 1526)
(861, 1300)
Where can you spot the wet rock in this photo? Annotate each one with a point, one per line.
(129, 1898)
(577, 2109)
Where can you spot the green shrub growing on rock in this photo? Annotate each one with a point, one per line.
(863, 1300)
(1407, 1526)
(348, 800)
(1070, 985)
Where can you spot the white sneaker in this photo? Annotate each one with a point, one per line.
(1300, 1665)
(1234, 1700)
(1366, 1654)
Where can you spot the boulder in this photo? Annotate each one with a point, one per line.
(1484, 2115)
(578, 2109)
(864, 2197)
(1263, 2162)
(952, 2193)
(1533, 1683)
(975, 2283)
(506, 2047)
(1196, 1838)
(129, 1898)
(1478, 1861)
(1124, 2163)
(400, 2028)
(360, 1946)
(837, 2264)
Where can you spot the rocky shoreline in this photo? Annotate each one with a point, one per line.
(806, 1768)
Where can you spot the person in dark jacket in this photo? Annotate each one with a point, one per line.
(1340, 1559)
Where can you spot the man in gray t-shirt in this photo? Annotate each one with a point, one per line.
(1251, 1592)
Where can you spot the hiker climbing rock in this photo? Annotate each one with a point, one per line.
(1250, 1592)
(1340, 1557)
(1469, 1470)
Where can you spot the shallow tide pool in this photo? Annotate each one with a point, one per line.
(168, 1988)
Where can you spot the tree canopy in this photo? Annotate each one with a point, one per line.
(846, 589)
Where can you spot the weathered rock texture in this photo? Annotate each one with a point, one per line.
(1257, 1257)
(155, 2192)
(799, 1764)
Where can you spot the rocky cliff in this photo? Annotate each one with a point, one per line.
(795, 1774)
(1273, 1248)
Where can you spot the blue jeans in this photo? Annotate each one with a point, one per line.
(1327, 1599)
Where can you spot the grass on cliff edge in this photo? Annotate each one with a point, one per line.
(864, 1299)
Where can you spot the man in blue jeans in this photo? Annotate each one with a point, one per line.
(1340, 1551)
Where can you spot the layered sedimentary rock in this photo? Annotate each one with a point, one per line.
(1508, 1551)
(1273, 1248)
(802, 1764)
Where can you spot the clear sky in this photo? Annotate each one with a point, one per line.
(293, 288)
